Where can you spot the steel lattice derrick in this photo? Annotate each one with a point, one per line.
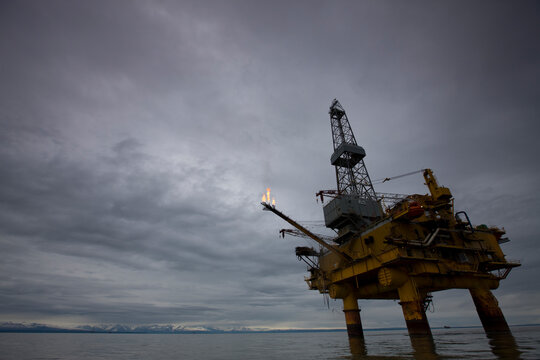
(341, 129)
(351, 173)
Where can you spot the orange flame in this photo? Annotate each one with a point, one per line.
(264, 198)
(268, 194)
(273, 202)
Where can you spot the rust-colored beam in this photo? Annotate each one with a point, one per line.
(415, 318)
(412, 304)
(352, 317)
(488, 310)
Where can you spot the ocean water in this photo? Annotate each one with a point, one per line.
(470, 343)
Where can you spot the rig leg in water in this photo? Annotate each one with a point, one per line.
(352, 317)
(489, 311)
(503, 345)
(412, 304)
(424, 348)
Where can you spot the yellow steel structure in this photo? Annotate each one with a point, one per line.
(409, 254)
(404, 251)
(419, 246)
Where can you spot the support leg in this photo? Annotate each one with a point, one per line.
(489, 311)
(415, 318)
(354, 325)
(352, 317)
(412, 304)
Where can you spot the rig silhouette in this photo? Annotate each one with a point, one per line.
(391, 246)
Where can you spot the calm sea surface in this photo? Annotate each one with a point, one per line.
(449, 344)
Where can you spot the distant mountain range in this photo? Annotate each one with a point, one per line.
(166, 329)
(137, 329)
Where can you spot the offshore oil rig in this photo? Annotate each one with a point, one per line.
(391, 246)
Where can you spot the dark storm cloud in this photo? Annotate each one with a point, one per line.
(121, 208)
(116, 204)
(136, 138)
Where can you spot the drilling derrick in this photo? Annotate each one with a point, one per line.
(355, 203)
(415, 246)
(348, 157)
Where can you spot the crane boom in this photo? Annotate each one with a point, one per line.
(321, 242)
(298, 233)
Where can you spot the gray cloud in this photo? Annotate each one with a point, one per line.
(136, 139)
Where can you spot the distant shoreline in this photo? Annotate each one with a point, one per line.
(52, 330)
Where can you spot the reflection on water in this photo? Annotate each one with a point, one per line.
(503, 345)
(358, 347)
(424, 348)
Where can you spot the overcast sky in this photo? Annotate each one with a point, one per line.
(137, 137)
